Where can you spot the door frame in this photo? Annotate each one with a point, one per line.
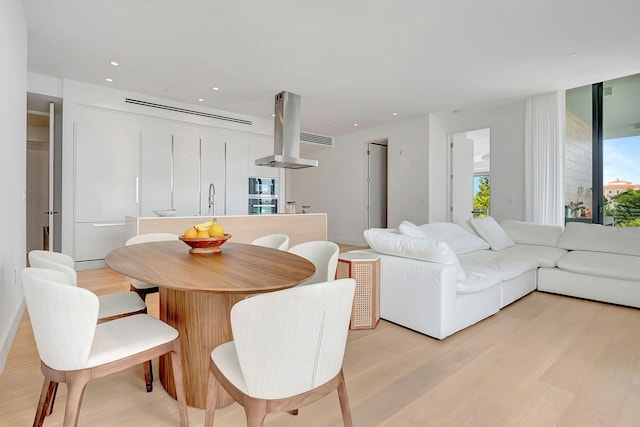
(449, 189)
(367, 201)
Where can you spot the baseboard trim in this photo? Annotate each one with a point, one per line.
(7, 340)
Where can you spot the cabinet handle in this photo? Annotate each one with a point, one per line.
(106, 224)
(137, 190)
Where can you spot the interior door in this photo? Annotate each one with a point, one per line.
(461, 178)
(377, 185)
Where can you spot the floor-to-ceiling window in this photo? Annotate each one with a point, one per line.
(602, 153)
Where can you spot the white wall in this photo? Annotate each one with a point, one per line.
(507, 158)
(13, 107)
(338, 185)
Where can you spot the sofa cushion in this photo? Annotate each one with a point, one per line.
(545, 256)
(490, 230)
(491, 262)
(459, 239)
(478, 281)
(420, 248)
(410, 229)
(600, 238)
(532, 234)
(602, 264)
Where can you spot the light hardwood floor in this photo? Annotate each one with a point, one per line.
(545, 360)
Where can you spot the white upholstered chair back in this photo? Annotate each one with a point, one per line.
(275, 241)
(151, 237)
(146, 238)
(291, 341)
(54, 261)
(63, 318)
(324, 255)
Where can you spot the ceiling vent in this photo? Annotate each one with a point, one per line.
(311, 138)
(185, 111)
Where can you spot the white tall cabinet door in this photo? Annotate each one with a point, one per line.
(212, 171)
(107, 164)
(461, 179)
(186, 174)
(106, 168)
(155, 171)
(237, 178)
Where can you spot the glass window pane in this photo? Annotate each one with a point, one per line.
(621, 151)
(578, 155)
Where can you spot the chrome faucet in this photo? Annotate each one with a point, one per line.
(212, 199)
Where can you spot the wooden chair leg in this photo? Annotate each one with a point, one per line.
(48, 390)
(148, 375)
(256, 410)
(344, 402)
(53, 399)
(76, 383)
(210, 409)
(178, 380)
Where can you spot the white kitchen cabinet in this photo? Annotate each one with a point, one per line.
(94, 240)
(237, 178)
(106, 149)
(186, 174)
(169, 172)
(155, 171)
(212, 171)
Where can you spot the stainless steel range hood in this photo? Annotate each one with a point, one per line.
(286, 134)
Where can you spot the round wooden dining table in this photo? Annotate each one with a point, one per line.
(197, 292)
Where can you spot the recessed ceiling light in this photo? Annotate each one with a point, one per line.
(114, 63)
(108, 80)
(273, 115)
(216, 88)
(200, 99)
(394, 114)
(574, 54)
(355, 124)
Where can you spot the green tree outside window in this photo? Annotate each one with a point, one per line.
(481, 201)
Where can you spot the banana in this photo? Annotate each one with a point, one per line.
(203, 226)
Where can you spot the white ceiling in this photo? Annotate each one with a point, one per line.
(355, 61)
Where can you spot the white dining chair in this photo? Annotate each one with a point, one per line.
(75, 349)
(323, 255)
(138, 286)
(275, 241)
(287, 351)
(112, 306)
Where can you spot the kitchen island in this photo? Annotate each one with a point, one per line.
(243, 228)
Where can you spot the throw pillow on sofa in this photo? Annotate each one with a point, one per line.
(490, 230)
(459, 239)
(419, 248)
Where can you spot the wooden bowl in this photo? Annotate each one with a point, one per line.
(205, 245)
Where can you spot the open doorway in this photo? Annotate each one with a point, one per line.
(470, 174)
(43, 177)
(377, 184)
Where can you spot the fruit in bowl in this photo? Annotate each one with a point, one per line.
(205, 238)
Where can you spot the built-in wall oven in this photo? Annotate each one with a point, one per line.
(263, 196)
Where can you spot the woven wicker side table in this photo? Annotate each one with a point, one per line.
(365, 269)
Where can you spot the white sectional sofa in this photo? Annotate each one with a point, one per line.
(602, 264)
(440, 278)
